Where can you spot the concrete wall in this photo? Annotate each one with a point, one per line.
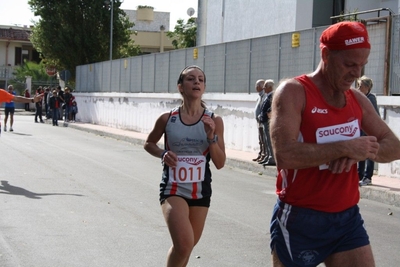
(389, 107)
(232, 20)
(7, 54)
(138, 112)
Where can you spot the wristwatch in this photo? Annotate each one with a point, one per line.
(214, 140)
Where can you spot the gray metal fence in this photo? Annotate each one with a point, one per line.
(235, 66)
(395, 57)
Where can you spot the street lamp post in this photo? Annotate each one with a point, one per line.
(111, 28)
(111, 3)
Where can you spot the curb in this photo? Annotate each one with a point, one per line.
(379, 194)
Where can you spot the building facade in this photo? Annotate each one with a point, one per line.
(15, 48)
(150, 30)
(221, 21)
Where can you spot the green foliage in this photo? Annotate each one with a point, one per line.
(77, 32)
(142, 7)
(184, 35)
(349, 16)
(36, 71)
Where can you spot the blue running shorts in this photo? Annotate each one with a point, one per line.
(306, 237)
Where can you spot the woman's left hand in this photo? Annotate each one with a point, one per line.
(209, 126)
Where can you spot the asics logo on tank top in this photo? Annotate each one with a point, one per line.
(319, 110)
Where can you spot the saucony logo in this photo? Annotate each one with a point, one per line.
(348, 130)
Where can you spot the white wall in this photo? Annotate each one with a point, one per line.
(389, 107)
(138, 112)
(10, 56)
(232, 20)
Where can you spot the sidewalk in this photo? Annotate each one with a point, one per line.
(384, 189)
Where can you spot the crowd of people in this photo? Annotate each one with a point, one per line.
(58, 105)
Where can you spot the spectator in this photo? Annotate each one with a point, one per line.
(261, 138)
(264, 117)
(9, 109)
(39, 104)
(74, 110)
(68, 98)
(366, 167)
(7, 97)
(54, 105)
(46, 103)
(60, 94)
(27, 95)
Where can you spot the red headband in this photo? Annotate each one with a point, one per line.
(345, 35)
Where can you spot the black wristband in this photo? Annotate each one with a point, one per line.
(32, 100)
(162, 155)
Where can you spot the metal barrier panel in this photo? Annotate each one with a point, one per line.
(214, 68)
(88, 73)
(148, 73)
(394, 87)
(190, 60)
(115, 76)
(98, 80)
(125, 78)
(135, 74)
(105, 77)
(264, 60)
(80, 81)
(176, 65)
(375, 69)
(296, 60)
(162, 71)
(237, 66)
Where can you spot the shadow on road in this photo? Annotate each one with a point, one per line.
(15, 190)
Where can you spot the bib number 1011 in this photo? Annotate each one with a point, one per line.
(190, 169)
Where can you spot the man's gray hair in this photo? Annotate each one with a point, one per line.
(269, 83)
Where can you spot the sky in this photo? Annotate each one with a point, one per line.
(17, 12)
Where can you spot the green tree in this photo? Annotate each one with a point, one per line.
(77, 32)
(184, 35)
(36, 71)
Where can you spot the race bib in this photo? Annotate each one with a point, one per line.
(190, 169)
(340, 132)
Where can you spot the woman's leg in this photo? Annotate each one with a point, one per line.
(185, 225)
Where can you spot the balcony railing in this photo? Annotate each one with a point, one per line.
(6, 73)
